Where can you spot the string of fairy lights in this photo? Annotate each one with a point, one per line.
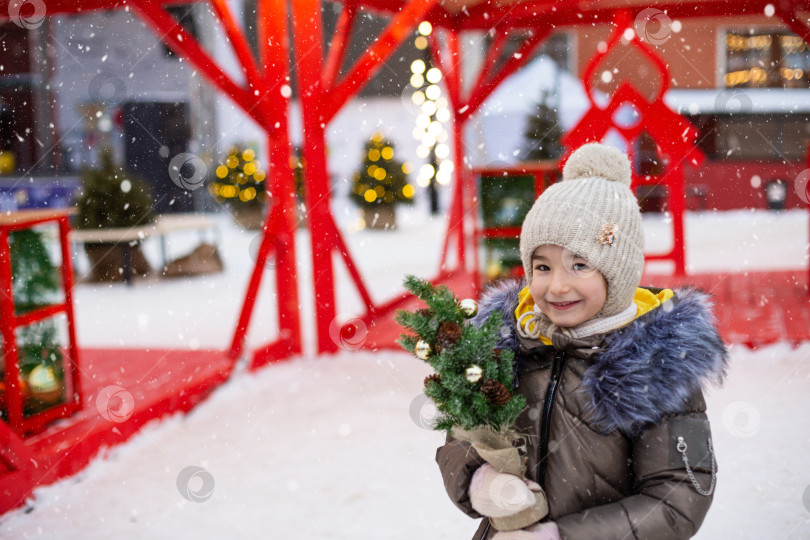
(434, 113)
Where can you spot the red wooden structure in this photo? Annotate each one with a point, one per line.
(324, 86)
(11, 320)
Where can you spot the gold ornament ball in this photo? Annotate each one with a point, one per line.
(423, 350)
(43, 385)
(468, 307)
(474, 373)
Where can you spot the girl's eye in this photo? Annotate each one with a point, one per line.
(541, 268)
(581, 267)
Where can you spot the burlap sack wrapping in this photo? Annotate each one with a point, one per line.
(496, 448)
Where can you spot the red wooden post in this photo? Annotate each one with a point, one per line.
(13, 397)
(308, 49)
(67, 285)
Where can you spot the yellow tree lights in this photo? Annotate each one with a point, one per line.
(381, 184)
(240, 185)
(434, 113)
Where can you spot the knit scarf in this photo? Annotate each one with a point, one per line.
(536, 324)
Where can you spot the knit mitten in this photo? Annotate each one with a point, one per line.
(497, 495)
(538, 531)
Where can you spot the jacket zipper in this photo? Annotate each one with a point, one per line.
(548, 405)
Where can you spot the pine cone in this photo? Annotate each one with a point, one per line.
(496, 353)
(495, 392)
(433, 377)
(424, 312)
(449, 334)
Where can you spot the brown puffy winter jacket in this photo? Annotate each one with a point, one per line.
(604, 424)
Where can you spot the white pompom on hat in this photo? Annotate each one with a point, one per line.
(592, 212)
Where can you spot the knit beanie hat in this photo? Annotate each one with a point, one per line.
(592, 212)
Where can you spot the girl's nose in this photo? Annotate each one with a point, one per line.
(559, 283)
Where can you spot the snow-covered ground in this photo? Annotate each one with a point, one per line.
(332, 447)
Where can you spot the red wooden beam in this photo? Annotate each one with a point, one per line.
(491, 59)
(350, 266)
(372, 59)
(274, 51)
(339, 44)
(278, 232)
(571, 12)
(308, 49)
(791, 18)
(66, 247)
(184, 44)
(446, 64)
(243, 54)
(515, 62)
(13, 398)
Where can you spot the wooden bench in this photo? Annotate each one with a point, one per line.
(163, 225)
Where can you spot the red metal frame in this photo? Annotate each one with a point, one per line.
(673, 135)
(10, 321)
(319, 105)
(265, 103)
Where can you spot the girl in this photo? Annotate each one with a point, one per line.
(615, 430)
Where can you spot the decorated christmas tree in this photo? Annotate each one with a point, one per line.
(543, 132)
(240, 178)
(381, 184)
(240, 184)
(473, 384)
(112, 197)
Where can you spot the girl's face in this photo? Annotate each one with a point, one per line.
(565, 287)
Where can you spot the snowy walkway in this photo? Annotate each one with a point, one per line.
(317, 449)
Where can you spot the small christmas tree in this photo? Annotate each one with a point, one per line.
(111, 197)
(543, 132)
(240, 178)
(473, 386)
(381, 184)
(473, 382)
(240, 184)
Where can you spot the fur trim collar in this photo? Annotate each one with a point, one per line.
(647, 369)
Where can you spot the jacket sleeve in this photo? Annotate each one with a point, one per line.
(458, 461)
(666, 504)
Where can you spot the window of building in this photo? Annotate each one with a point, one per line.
(754, 137)
(766, 59)
(185, 16)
